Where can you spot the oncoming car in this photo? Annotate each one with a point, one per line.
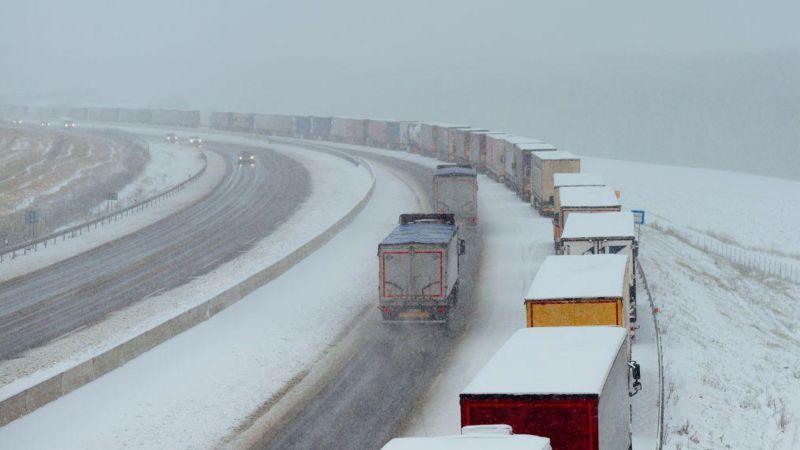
(171, 138)
(247, 159)
(16, 121)
(194, 140)
(69, 123)
(45, 123)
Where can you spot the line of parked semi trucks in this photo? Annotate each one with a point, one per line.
(564, 381)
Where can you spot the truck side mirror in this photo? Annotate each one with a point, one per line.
(636, 374)
(462, 247)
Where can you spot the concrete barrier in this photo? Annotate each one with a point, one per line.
(28, 400)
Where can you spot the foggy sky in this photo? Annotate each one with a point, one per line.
(634, 79)
(179, 47)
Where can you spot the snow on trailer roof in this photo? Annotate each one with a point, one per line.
(551, 360)
(455, 171)
(514, 139)
(536, 146)
(579, 276)
(587, 196)
(421, 233)
(597, 225)
(555, 155)
(577, 179)
(470, 442)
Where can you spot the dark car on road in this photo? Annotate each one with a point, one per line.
(171, 138)
(247, 159)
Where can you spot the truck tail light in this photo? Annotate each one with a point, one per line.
(441, 309)
(387, 310)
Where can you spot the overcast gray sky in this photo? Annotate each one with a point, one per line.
(67, 44)
(699, 82)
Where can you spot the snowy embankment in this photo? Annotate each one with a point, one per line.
(169, 165)
(197, 388)
(730, 334)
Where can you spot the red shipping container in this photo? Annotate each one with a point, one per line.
(569, 384)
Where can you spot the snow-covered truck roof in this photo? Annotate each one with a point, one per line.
(579, 276)
(599, 225)
(536, 146)
(514, 139)
(470, 442)
(587, 196)
(421, 233)
(454, 170)
(513, 442)
(577, 179)
(551, 360)
(555, 155)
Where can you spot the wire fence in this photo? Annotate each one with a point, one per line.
(24, 248)
(654, 310)
(749, 259)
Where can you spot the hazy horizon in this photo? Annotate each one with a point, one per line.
(708, 84)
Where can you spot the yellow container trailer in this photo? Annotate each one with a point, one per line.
(580, 290)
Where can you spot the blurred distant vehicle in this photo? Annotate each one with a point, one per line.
(171, 138)
(45, 123)
(16, 121)
(69, 123)
(194, 140)
(247, 159)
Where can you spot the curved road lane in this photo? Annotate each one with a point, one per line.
(368, 400)
(246, 206)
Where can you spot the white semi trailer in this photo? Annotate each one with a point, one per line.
(455, 191)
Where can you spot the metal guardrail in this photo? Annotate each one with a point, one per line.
(77, 230)
(653, 309)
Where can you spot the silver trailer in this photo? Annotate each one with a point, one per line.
(419, 268)
(455, 191)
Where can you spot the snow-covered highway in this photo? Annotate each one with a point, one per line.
(246, 206)
(197, 389)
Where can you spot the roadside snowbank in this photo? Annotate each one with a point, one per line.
(169, 165)
(196, 388)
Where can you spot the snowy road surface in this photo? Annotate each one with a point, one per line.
(246, 206)
(515, 241)
(197, 388)
(149, 183)
(363, 403)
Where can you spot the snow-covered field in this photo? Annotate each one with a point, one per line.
(63, 176)
(195, 389)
